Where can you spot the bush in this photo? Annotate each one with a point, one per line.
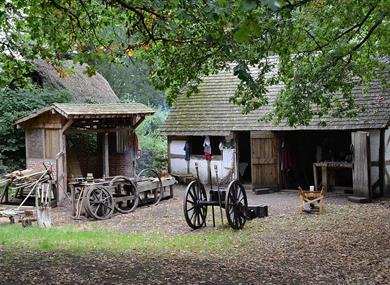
(15, 104)
(154, 145)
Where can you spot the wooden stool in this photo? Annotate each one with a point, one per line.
(311, 197)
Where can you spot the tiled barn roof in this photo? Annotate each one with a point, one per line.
(210, 113)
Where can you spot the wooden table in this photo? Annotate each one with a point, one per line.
(325, 165)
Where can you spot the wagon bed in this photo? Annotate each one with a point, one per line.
(123, 192)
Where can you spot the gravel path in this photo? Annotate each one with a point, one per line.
(167, 217)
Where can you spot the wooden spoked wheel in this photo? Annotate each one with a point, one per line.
(194, 211)
(236, 205)
(125, 194)
(99, 203)
(150, 173)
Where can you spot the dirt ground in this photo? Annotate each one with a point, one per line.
(167, 217)
(349, 244)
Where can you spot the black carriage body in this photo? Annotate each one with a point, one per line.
(214, 197)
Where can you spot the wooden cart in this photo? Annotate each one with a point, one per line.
(100, 198)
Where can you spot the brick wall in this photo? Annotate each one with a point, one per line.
(91, 164)
(37, 164)
(121, 164)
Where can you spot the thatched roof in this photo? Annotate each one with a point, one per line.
(84, 89)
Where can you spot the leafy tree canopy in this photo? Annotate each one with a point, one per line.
(130, 82)
(321, 44)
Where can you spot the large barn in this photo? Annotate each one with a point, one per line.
(343, 153)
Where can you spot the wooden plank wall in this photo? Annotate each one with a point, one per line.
(361, 169)
(52, 143)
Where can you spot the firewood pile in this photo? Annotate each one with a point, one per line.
(26, 196)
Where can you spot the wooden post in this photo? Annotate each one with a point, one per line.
(106, 160)
(324, 174)
(382, 165)
(209, 174)
(315, 176)
(197, 170)
(62, 171)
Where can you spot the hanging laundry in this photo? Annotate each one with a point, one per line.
(220, 146)
(228, 158)
(207, 148)
(187, 151)
(286, 161)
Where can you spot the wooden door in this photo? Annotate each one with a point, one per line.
(361, 164)
(264, 157)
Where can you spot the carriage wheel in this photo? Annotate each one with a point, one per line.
(194, 212)
(236, 205)
(125, 189)
(99, 202)
(159, 191)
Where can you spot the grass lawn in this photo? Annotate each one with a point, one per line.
(349, 244)
(219, 240)
(69, 238)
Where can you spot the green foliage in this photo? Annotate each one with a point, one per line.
(130, 82)
(154, 145)
(321, 45)
(14, 105)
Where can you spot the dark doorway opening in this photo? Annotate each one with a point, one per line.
(244, 157)
(300, 149)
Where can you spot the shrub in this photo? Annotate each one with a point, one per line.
(15, 104)
(154, 145)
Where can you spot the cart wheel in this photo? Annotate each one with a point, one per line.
(126, 192)
(195, 212)
(236, 205)
(159, 191)
(99, 203)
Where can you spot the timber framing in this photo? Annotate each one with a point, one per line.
(47, 130)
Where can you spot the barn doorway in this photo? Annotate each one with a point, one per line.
(300, 149)
(244, 157)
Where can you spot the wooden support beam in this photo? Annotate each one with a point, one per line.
(105, 130)
(140, 120)
(382, 166)
(67, 125)
(106, 159)
(61, 164)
